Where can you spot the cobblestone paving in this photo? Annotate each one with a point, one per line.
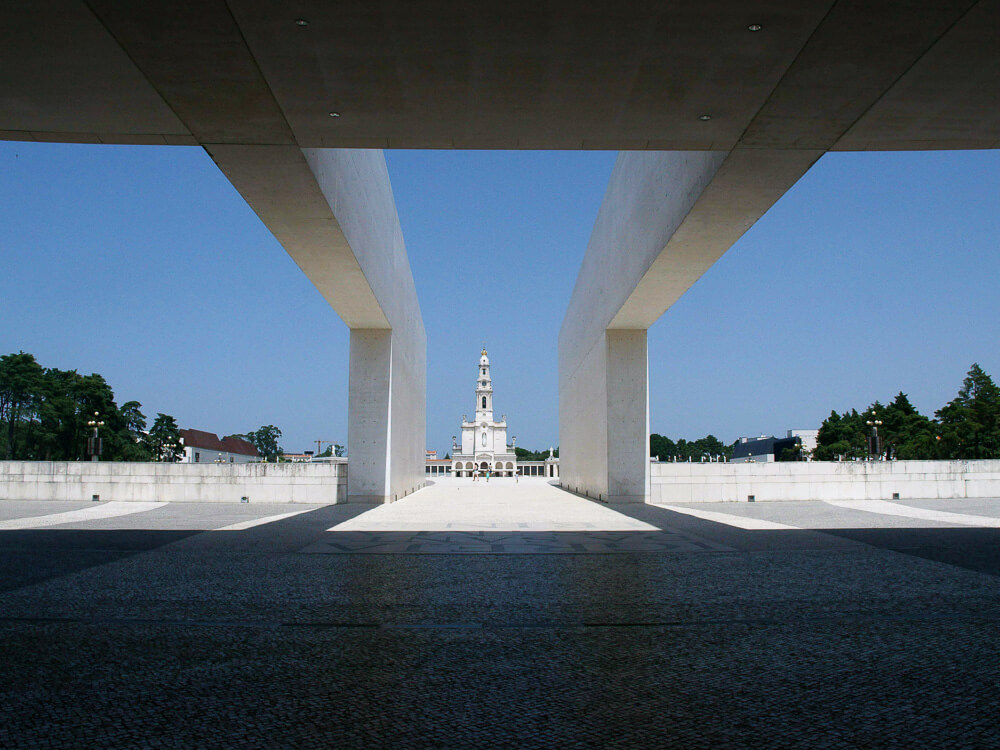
(508, 543)
(734, 638)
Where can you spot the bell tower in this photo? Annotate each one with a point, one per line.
(484, 391)
(484, 439)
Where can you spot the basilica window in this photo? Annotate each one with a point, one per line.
(484, 439)
(484, 402)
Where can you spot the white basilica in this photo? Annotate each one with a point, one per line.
(484, 441)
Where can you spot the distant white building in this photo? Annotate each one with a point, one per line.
(438, 467)
(206, 448)
(484, 440)
(808, 438)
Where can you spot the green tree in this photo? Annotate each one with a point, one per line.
(661, 446)
(709, 445)
(57, 438)
(841, 435)
(133, 430)
(21, 379)
(265, 440)
(970, 423)
(162, 435)
(907, 434)
(95, 401)
(334, 449)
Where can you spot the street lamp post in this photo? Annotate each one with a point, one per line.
(168, 451)
(874, 444)
(94, 442)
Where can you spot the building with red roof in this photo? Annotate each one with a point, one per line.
(202, 447)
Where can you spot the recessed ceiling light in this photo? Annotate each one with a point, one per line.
(335, 114)
(704, 118)
(301, 22)
(754, 27)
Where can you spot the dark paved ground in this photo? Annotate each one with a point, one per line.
(852, 637)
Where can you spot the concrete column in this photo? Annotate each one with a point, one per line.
(369, 413)
(385, 419)
(666, 217)
(627, 417)
(333, 211)
(604, 421)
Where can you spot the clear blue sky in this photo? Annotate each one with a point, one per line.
(877, 272)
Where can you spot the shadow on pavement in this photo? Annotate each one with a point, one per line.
(30, 556)
(976, 549)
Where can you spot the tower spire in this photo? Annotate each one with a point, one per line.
(484, 390)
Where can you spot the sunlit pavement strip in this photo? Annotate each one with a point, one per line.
(503, 517)
(500, 505)
(740, 522)
(894, 509)
(243, 525)
(107, 510)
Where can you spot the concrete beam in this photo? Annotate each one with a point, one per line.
(333, 211)
(665, 219)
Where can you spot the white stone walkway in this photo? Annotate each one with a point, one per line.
(499, 505)
(740, 522)
(95, 512)
(886, 508)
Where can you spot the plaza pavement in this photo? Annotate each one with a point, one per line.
(500, 615)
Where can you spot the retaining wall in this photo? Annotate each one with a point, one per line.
(196, 483)
(822, 480)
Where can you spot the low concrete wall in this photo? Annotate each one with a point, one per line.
(195, 483)
(822, 480)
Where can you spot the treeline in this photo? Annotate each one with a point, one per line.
(47, 414)
(44, 416)
(967, 427)
(708, 446)
(525, 455)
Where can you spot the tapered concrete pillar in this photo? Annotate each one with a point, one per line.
(665, 219)
(333, 211)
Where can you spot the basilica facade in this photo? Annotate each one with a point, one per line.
(484, 440)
